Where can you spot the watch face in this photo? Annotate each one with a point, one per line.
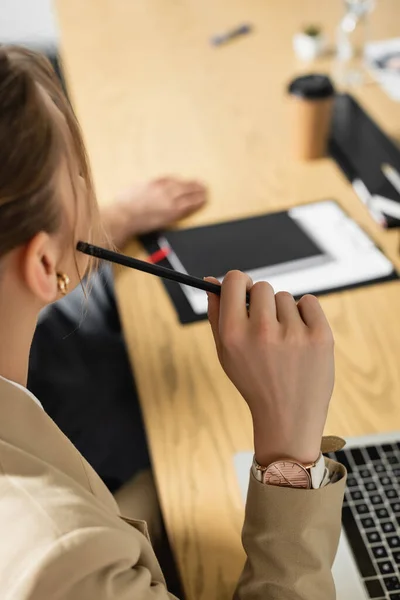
(286, 473)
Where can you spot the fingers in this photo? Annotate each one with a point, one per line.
(313, 315)
(262, 303)
(266, 308)
(229, 312)
(166, 179)
(192, 187)
(192, 195)
(172, 189)
(233, 310)
(183, 197)
(286, 309)
(177, 189)
(191, 202)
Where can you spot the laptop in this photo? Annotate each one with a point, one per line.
(367, 564)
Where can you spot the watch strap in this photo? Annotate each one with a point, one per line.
(317, 473)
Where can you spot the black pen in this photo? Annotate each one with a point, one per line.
(223, 38)
(141, 265)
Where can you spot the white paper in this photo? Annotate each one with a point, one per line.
(350, 257)
(389, 78)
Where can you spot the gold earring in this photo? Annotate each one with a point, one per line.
(62, 283)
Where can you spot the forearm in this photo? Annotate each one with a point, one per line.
(290, 537)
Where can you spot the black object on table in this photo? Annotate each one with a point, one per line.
(360, 148)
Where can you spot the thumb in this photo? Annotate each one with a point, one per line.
(213, 313)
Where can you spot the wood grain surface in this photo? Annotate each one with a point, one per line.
(154, 97)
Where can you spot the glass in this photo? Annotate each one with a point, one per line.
(352, 35)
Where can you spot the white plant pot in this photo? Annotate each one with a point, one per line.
(308, 47)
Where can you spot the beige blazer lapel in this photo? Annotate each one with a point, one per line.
(26, 426)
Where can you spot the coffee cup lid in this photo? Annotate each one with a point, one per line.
(313, 86)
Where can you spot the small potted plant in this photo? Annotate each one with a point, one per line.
(309, 43)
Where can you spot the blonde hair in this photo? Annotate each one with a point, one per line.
(32, 146)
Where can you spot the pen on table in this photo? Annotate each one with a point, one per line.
(366, 198)
(152, 269)
(391, 208)
(222, 38)
(391, 175)
(387, 205)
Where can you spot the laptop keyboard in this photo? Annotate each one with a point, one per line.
(371, 515)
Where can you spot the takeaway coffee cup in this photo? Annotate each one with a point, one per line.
(311, 103)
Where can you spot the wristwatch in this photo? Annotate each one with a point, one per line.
(290, 473)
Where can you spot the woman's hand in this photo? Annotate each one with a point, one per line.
(151, 206)
(280, 356)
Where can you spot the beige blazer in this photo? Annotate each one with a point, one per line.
(62, 538)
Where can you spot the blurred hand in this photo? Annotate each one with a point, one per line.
(280, 357)
(151, 206)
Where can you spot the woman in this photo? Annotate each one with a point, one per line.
(61, 533)
(79, 366)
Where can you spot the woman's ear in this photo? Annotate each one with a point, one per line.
(39, 267)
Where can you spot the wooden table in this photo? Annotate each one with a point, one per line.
(154, 97)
